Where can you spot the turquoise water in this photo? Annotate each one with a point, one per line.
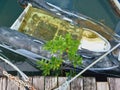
(9, 11)
(99, 10)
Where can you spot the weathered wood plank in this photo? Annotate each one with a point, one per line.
(11, 85)
(3, 83)
(77, 84)
(50, 83)
(102, 86)
(114, 83)
(89, 83)
(38, 82)
(23, 88)
(61, 80)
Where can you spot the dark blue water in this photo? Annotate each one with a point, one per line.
(9, 11)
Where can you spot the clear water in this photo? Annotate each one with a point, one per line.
(9, 11)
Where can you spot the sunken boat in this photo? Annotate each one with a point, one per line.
(40, 23)
(116, 6)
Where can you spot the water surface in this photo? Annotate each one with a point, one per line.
(99, 10)
(9, 11)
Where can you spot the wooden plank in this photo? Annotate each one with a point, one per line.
(114, 83)
(11, 85)
(1, 83)
(89, 83)
(23, 88)
(102, 86)
(50, 83)
(61, 80)
(77, 84)
(38, 82)
(4, 83)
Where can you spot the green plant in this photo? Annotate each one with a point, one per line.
(62, 49)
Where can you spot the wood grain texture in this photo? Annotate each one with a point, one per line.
(77, 84)
(114, 83)
(11, 85)
(102, 86)
(4, 83)
(38, 82)
(89, 83)
(1, 84)
(23, 88)
(61, 80)
(50, 83)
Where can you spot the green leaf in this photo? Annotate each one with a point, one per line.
(60, 45)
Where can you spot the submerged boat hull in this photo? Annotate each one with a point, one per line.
(31, 48)
(116, 6)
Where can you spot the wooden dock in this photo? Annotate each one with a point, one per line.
(49, 83)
